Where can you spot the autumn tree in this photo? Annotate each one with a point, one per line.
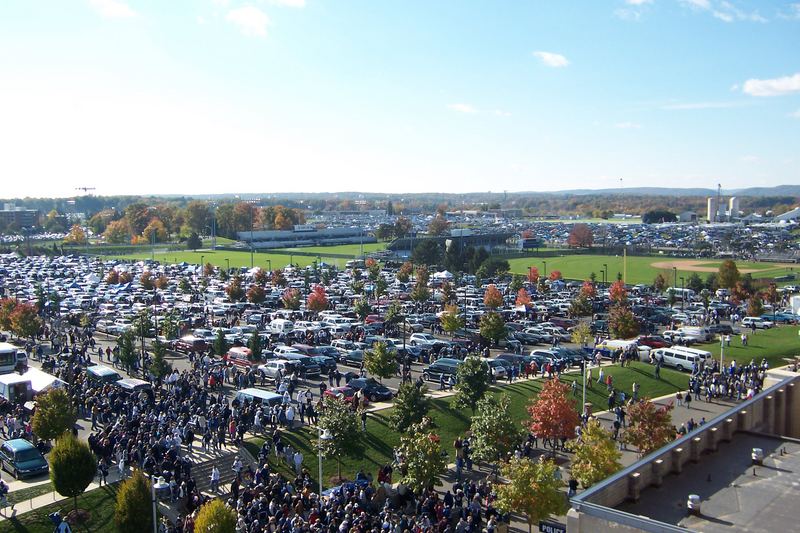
(25, 321)
(622, 322)
(411, 404)
(117, 232)
(660, 283)
(582, 334)
(76, 235)
(649, 426)
(112, 278)
(533, 275)
(773, 297)
(580, 236)
(54, 414)
(291, 299)
(618, 294)
(380, 362)
(438, 226)
(146, 280)
(451, 319)
(555, 275)
(492, 298)
(256, 294)
(234, 290)
(493, 327)
(162, 282)
(580, 306)
(532, 489)
(317, 300)
(422, 459)
(553, 414)
(596, 454)
(523, 298)
(404, 272)
(755, 306)
(402, 227)
(278, 279)
(495, 431)
(588, 290)
(420, 293)
(155, 231)
(728, 274)
(337, 418)
(472, 382)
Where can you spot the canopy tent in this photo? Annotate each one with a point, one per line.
(444, 274)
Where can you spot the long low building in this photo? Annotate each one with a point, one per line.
(304, 235)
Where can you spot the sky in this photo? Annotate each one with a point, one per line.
(259, 96)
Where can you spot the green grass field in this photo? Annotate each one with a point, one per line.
(236, 258)
(381, 439)
(639, 270)
(99, 502)
(773, 345)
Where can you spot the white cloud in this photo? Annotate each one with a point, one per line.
(723, 10)
(628, 14)
(724, 17)
(251, 21)
(628, 125)
(702, 105)
(793, 12)
(200, 20)
(112, 9)
(289, 3)
(772, 87)
(501, 113)
(795, 114)
(551, 59)
(462, 108)
(697, 4)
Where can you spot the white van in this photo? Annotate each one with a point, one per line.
(682, 358)
(281, 326)
(701, 332)
(757, 321)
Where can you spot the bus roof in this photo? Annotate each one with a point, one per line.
(258, 393)
(102, 370)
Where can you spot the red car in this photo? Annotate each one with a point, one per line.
(373, 318)
(654, 341)
(345, 392)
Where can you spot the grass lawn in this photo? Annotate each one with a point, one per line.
(381, 439)
(26, 494)
(773, 345)
(237, 258)
(99, 502)
(343, 249)
(640, 269)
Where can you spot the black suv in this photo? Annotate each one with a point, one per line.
(374, 391)
(441, 367)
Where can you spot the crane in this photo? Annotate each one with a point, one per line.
(84, 189)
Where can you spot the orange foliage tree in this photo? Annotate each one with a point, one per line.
(492, 298)
(533, 274)
(523, 298)
(317, 300)
(553, 413)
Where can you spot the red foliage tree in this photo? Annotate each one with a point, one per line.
(533, 274)
(649, 426)
(523, 298)
(492, 298)
(553, 413)
(318, 300)
(618, 293)
(256, 294)
(588, 290)
(580, 236)
(554, 275)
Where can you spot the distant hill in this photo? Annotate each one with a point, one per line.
(779, 190)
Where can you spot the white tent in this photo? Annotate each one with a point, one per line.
(92, 278)
(444, 274)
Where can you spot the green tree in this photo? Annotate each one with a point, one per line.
(362, 308)
(215, 517)
(580, 306)
(660, 283)
(72, 466)
(451, 319)
(596, 454)
(532, 489)
(694, 282)
(127, 349)
(728, 274)
(422, 459)
(159, 366)
(582, 334)
(495, 431)
(622, 323)
(420, 292)
(54, 414)
(755, 305)
(220, 344)
(493, 327)
(133, 510)
(427, 252)
(193, 242)
(411, 405)
(380, 362)
(255, 345)
(472, 382)
(346, 437)
(491, 267)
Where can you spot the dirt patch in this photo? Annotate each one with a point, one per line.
(694, 265)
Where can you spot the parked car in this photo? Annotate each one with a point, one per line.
(371, 389)
(441, 367)
(325, 363)
(654, 341)
(757, 322)
(345, 393)
(22, 459)
(352, 358)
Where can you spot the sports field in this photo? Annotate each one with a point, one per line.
(639, 269)
(343, 249)
(236, 258)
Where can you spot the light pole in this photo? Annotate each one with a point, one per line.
(674, 277)
(605, 274)
(228, 262)
(545, 268)
(202, 263)
(322, 437)
(722, 354)
(269, 262)
(682, 293)
(251, 238)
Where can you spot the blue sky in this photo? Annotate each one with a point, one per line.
(214, 96)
